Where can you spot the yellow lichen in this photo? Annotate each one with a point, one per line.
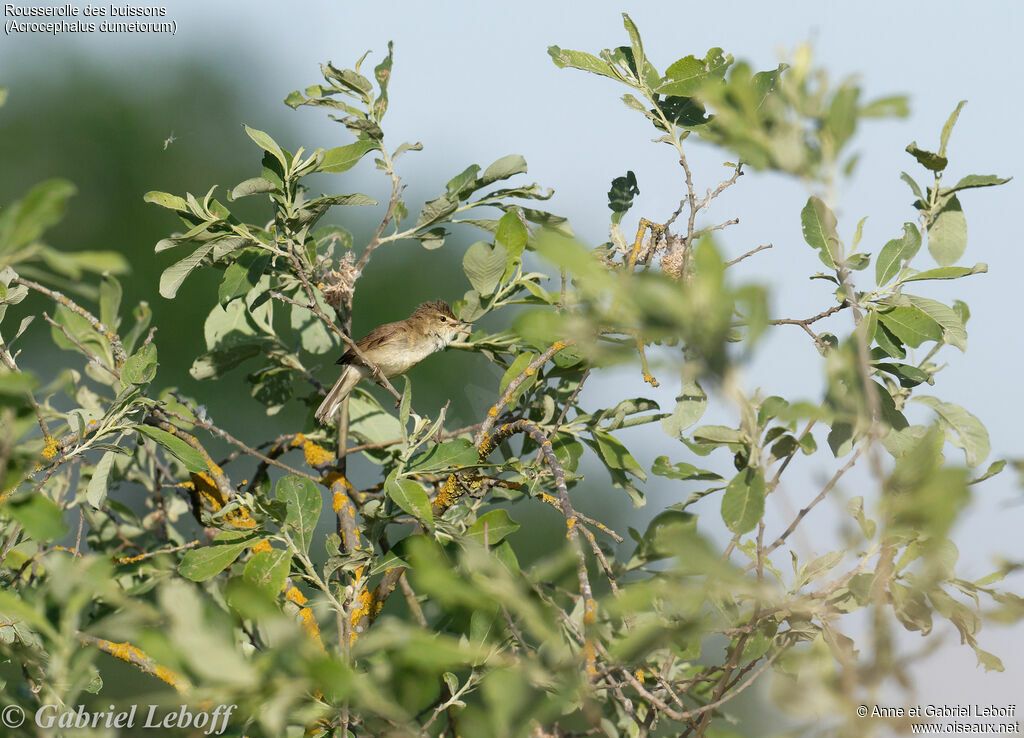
(261, 547)
(335, 477)
(316, 455)
(50, 449)
(292, 594)
(448, 495)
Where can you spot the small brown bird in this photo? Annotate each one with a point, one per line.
(394, 348)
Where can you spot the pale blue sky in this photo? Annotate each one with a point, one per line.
(473, 82)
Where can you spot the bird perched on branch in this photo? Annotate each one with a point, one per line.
(394, 348)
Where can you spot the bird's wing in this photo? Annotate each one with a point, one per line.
(371, 340)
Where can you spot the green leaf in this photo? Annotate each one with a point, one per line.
(26, 219)
(975, 180)
(908, 375)
(110, 301)
(96, 492)
(615, 455)
(242, 276)
(816, 568)
(190, 457)
(886, 107)
(268, 570)
(682, 470)
(685, 76)
(947, 234)
(718, 435)
(994, 468)
(304, 503)
(968, 432)
(819, 230)
(895, 252)
(166, 200)
(639, 58)
(436, 210)
(484, 265)
(514, 370)
(459, 186)
(512, 234)
(265, 142)
(581, 60)
(200, 564)
(453, 454)
(410, 497)
(691, 402)
(947, 129)
(370, 422)
(911, 325)
(503, 168)
(176, 273)
(42, 520)
(621, 194)
(947, 273)
(312, 211)
(914, 186)
(140, 367)
(927, 159)
(743, 502)
(343, 158)
(252, 186)
(953, 331)
(492, 527)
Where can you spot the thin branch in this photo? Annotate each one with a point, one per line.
(803, 512)
(94, 358)
(750, 253)
(115, 341)
(517, 381)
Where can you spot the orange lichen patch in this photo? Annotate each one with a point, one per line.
(309, 625)
(261, 547)
(368, 609)
(336, 477)
(448, 495)
(570, 526)
(50, 449)
(639, 674)
(306, 618)
(530, 371)
(588, 645)
(132, 655)
(316, 455)
(493, 412)
(208, 496)
(129, 559)
(559, 345)
(292, 594)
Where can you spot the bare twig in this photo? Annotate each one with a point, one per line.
(115, 341)
(810, 506)
(750, 253)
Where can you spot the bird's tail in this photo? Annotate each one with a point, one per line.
(349, 378)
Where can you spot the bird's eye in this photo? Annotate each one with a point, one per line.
(444, 319)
